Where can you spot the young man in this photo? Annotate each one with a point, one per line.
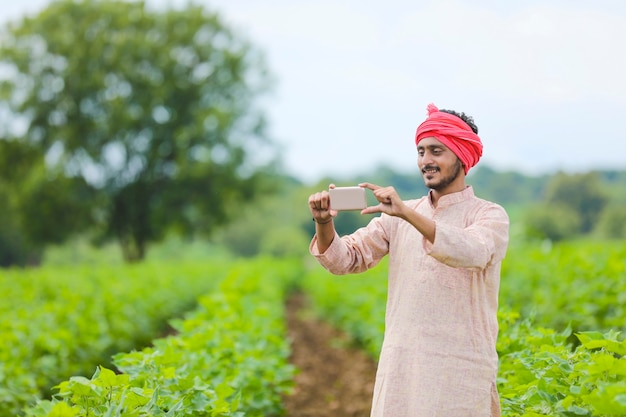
(445, 251)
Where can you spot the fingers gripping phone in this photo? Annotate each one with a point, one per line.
(347, 198)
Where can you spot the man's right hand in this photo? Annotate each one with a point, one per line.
(319, 205)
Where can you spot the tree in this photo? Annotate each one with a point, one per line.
(582, 193)
(507, 187)
(16, 162)
(612, 222)
(155, 110)
(553, 222)
(273, 225)
(14, 250)
(571, 206)
(37, 207)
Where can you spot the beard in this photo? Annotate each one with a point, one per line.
(446, 181)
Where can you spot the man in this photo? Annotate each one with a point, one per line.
(445, 251)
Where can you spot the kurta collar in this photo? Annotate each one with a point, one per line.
(453, 198)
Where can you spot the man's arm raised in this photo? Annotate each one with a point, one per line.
(390, 203)
(319, 205)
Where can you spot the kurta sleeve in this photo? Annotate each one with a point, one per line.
(356, 252)
(476, 246)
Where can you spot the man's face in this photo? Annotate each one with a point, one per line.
(440, 167)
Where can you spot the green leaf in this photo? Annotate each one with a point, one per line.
(106, 378)
(63, 410)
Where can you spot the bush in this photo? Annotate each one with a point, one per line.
(554, 222)
(14, 249)
(612, 223)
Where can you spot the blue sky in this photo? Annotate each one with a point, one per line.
(543, 79)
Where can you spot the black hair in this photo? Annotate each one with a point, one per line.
(467, 119)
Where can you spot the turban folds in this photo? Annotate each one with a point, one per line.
(453, 132)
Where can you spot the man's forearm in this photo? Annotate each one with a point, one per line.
(423, 224)
(325, 235)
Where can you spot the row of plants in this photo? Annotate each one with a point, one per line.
(543, 371)
(229, 357)
(542, 374)
(581, 284)
(59, 321)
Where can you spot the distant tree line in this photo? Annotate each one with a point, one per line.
(555, 206)
(575, 205)
(551, 206)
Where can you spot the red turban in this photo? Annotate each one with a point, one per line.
(453, 132)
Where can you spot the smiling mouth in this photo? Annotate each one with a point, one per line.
(430, 170)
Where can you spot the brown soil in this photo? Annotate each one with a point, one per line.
(334, 379)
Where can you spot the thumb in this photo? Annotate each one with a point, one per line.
(373, 209)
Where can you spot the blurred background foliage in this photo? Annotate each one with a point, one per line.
(125, 124)
(130, 122)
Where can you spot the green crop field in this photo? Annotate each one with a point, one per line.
(207, 337)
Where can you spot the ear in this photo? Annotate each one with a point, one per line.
(463, 166)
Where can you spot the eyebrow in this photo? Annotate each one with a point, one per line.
(442, 146)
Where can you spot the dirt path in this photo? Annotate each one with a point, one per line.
(333, 381)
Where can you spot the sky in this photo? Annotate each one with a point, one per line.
(544, 80)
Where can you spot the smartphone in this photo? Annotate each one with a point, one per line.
(347, 198)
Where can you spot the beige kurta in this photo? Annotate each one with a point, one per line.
(438, 356)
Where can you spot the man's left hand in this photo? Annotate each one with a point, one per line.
(389, 201)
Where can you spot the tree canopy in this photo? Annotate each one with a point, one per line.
(156, 111)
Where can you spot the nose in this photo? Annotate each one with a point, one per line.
(424, 159)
